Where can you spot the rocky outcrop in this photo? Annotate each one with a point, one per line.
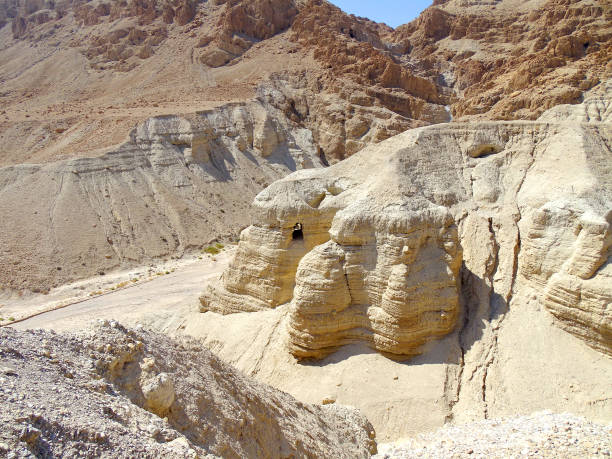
(471, 60)
(339, 298)
(396, 243)
(346, 116)
(130, 392)
(364, 94)
(244, 23)
(177, 184)
(510, 61)
(567, 259)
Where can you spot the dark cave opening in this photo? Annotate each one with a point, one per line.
(298, 234)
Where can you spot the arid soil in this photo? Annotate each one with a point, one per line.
(120, 392)
(400, 399)
(451, 282)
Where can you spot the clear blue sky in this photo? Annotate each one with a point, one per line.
(391, 12)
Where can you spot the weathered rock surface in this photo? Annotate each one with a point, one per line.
(78, 77)
(175, 185)
(242, 24)
(480, 59)
(541, 434)
(511, 59)
(438, 223)
(128, 392)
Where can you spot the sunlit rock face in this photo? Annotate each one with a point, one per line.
(399, 242)
(388, 280)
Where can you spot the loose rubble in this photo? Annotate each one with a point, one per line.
(541, 434)
(117, 392)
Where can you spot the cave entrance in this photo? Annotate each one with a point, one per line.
(298, 234)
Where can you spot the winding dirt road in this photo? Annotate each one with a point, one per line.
(164, 302)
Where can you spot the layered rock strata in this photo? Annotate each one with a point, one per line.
(176, 184)
(351, 81)
(401, 240)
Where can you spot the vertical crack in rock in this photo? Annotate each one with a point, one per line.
(262, 355)
(348, 283)
(454, 375)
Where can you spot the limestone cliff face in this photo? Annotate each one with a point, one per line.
(393, 289)
(175, 185)
(404, 239)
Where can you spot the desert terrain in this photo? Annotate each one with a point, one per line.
(273, 229)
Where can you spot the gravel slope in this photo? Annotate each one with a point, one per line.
(542, 434)
(117, 392)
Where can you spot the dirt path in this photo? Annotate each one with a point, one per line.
(165, 301)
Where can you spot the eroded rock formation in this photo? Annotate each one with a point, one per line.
(351, 81)
(176, 184)
(507, 60)
(73, 86)
(402, 239)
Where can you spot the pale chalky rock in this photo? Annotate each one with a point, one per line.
(176, 184)
(159, 394)
(395, 240)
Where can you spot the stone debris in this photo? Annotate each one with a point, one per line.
(123, 393)
(540, 435)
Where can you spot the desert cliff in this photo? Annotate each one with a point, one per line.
(414, 222)
(77, 78)
(396, 240)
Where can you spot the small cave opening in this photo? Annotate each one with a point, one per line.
(586, 45)
(298, 234)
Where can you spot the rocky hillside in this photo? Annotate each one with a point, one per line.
(351, 81)
(131, 393)
(77, 77)
(68, 66)
(178, 184)
(513, 59)
(478, 254)
(387, 246)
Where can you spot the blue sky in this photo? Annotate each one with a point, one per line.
(391, 12)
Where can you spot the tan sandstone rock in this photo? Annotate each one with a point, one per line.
(402, 240)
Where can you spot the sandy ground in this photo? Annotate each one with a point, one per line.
(355, 376)
(401, 399)
(130, 296)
